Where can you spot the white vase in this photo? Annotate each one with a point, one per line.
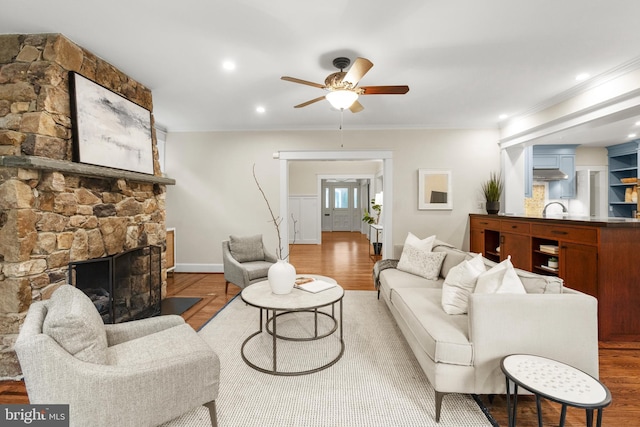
(282, 277)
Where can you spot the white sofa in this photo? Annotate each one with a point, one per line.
(462, 353)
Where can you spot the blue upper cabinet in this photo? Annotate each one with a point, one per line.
(623, 165)
(561, 157)
(565, 189)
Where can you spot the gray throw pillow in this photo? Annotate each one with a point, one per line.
(75, 324)
(245, 249)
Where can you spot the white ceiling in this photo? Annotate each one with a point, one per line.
(465, 61)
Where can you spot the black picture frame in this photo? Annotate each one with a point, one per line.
(108, 129)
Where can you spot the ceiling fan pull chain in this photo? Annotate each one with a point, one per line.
(341, 134)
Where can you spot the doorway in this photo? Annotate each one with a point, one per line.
(591, 195)
(341, 209)
(385, 155)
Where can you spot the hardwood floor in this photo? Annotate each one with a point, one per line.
(345, 257)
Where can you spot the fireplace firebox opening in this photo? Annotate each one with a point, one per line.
(125, 286)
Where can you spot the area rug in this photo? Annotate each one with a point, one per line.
(377, 382)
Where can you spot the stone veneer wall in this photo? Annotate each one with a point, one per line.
(49, 217)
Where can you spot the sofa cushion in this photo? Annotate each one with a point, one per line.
(75, 324)
(444, 338)
(535, 283)
(459, 283)
(539, 284)
(244, 249)
(393, 278)
(417, 261)
(257, 269)
(501, 279)
(178, 341)
(453, 258)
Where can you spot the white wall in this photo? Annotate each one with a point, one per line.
(215, 194)
(591, 156)
(303, 175)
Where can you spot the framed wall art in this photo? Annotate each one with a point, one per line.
(434, 190)
(108, 129)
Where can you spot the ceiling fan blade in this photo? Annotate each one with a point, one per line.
(356, 107)
(357, 70)
(304, 104)
(384, 90)
(304, 82)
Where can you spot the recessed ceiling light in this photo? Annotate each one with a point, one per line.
(582, 77)
(502, 116)
(638, 123)
(229, 65)
(632, 135)
(260, 109)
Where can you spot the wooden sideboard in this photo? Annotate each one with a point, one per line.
(600, 258)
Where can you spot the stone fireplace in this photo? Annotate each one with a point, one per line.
(54, 211)
(123, 287)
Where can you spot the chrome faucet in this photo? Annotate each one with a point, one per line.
(544, 211)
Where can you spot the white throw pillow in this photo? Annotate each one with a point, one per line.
(423, 244)
(459, 283)
(421, 263)
(500, 279)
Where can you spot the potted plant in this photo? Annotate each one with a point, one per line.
(492, 190)
(371, 219)
(552, 262)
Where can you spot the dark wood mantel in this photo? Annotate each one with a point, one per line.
(599, 257)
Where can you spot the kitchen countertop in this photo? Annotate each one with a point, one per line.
(567, 219)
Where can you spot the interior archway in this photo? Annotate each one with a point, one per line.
(385, 155)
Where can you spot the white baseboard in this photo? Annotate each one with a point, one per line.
(199, 268)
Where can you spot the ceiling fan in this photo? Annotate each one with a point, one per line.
(343, 86)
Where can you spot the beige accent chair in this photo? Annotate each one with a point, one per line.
(139, 373)
(245, 261)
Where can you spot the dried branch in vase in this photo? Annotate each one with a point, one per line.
(276, 220)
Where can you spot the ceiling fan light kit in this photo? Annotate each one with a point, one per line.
(343, 86)
(341, 99)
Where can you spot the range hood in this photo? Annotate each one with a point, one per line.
(540, 174)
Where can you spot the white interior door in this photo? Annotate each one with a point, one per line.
(340, 206)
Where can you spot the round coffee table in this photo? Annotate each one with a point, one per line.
(555, 381)
(259, 295)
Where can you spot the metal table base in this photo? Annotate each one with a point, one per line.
(273, 320)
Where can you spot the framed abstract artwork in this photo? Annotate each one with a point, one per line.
(108, 129)
(434, 190)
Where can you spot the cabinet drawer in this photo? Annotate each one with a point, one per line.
(572, 234)
(484, 223)
(515, 227)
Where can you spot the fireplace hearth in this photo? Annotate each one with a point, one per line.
(125, 286)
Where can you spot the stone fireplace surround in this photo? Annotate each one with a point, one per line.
(52, 210)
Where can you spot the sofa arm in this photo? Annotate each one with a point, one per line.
(563, 327)
(127, 331)
(233, 270)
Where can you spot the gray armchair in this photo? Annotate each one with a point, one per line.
(139, 373)
(245, 261)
